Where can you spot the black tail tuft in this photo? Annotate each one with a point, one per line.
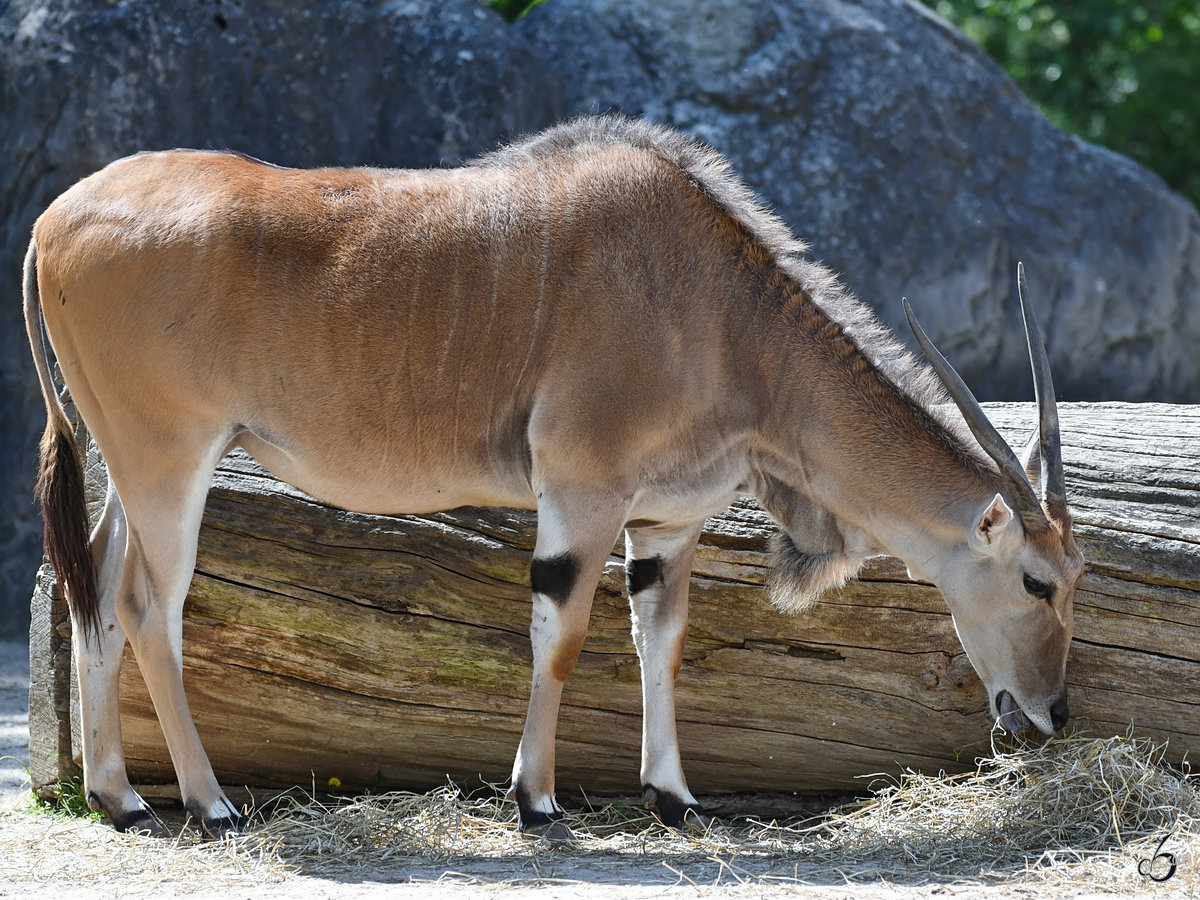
(60, 489)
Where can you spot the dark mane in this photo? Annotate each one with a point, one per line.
(901, 374)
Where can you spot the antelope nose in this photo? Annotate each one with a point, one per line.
(1059, 713)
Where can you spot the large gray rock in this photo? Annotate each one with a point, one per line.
(914, 167)
(83, 82)
(885, 138)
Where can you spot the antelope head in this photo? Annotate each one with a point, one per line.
(1011, 585)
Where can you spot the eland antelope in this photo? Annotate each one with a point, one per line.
(599, 322)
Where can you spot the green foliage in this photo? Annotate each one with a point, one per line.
(70, 802)
(1122, 73)
(513, 9)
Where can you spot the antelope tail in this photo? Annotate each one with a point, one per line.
(60, 486)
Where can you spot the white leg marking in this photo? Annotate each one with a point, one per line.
(658, 565)
(573, 541)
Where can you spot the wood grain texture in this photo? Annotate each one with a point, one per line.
(393, 651)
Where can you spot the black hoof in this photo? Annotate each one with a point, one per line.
(139, 820)
(673, 811)
(217, 826)
(555, 831)
(544, 825)
(535, 823)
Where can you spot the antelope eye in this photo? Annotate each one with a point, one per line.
(1038, 588)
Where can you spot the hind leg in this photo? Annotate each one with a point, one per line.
(164, 511)
(98, 669)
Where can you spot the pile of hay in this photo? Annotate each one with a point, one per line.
(1068, 808)
(1104, 814)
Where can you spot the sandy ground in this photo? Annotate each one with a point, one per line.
(42, 855)
(14, 722)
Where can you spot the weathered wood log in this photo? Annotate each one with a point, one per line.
(393, 651)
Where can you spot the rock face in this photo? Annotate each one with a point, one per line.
(84, 82)
(915, 168)
(908, 160)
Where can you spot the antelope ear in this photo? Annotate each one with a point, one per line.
(995, 521)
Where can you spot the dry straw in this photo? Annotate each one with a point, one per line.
(1040, 811)
(1104, 814)
(1056, 810)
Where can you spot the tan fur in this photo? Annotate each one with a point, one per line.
(562, 664)
(600, 322)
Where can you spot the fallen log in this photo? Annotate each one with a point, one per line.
(392, 652)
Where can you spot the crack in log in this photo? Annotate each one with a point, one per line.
(1144, 580)
(795, 735)
(403, 611)
(314, 548)
(1180, 701)
(873, 607)
(303, 684)
(813, 651)
(345, 551)
(1141, 652)
(840, 685)
(1120, 529)
(1128, 613)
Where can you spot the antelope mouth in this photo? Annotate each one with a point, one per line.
(1011, 717)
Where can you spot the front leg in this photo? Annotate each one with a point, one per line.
(658, 565)
(576, 533)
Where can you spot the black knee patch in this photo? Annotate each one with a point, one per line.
(643, 573)
(554, 577)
